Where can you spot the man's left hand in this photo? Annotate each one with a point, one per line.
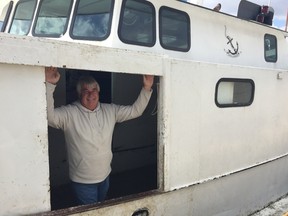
(148, 81)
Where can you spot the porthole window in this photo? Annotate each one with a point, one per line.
(174, 29)
(270, 48)
(52, 19)
(22, 18)
(137, 23)
(234, 92)
(92, 20)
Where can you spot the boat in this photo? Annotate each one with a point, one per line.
(213, 139)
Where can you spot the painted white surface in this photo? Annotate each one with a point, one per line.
(24, 166)
(207, 141)
(3, 9)
(239, 195)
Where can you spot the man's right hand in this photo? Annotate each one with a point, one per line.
(52, 75)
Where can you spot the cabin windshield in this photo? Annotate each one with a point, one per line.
(23, 16)
(52, 18)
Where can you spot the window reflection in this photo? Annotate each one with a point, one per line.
(137, 23)
(174, 29)
(52, 18)
(91, 25)
(270, 48)
(234, 92)
(23, 17)
(93, 19)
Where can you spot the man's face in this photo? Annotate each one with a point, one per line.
(89, 96)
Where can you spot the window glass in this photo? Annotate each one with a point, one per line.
(234, 92)
(174, 29)
(137, 23)
(52, 18)
(23, 17)
(270, 48)
(92, 20)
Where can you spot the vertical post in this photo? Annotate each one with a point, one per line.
(286, 25)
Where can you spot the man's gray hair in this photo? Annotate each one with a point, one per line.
(88, 80)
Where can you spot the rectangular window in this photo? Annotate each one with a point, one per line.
(174, 29)
(234, 92)
(137, 23)
(270, 48)
(52, 18)
(22, 18)
(92, 20)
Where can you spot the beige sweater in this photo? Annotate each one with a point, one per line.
(88, 134)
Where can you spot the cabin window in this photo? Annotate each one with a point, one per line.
(137, 23)
(22, 18)
(234, 92)
(52, 18)
(270, 48)
(174, 29)
(5, 16)
(92, 20)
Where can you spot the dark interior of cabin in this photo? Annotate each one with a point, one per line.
(250, 11)
(134, 145)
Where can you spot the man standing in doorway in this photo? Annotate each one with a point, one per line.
(88, 128)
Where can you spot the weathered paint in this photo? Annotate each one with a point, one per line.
(230, 195)
(24, 165)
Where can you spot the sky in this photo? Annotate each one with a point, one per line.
(231, 6)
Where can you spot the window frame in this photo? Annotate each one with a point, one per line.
(15, 11)
(89, 37)
(234, 80)
(276, 48)
(153, 25)
(51, 35)
(188, 30)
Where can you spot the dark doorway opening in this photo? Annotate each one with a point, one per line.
(134, 146)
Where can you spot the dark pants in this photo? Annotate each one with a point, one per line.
(90, 193)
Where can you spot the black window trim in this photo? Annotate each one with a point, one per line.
(154, 25)
(245, 80)
(276, 46)
(86, 37)
(188, 32)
